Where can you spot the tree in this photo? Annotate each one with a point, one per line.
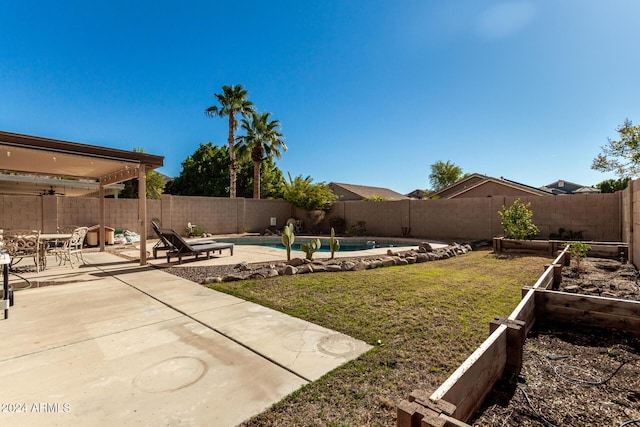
(233, 100)
(263, 139)
(622, 156)
(444, 174)
(613, 185)
(154, 184)
(517, 221)
(271, 179)
(304, 194)
(204, 173)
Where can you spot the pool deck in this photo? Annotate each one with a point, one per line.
(258, 254)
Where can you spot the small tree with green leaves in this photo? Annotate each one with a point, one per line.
(578, 251)
(517, 221)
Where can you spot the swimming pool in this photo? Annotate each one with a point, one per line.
(346, 244)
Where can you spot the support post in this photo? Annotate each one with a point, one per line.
(142, 213)
(516, 334)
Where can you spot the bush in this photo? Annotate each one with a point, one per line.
(304, 194)
(578, 251)
(517, 221)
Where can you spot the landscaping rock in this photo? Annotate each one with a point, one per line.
(360, 266)
(319, 268)
(376, 263)
(243, 270)
(234, 277)
(243, 266)
(290, 270)
(272, 272)
(425, 247)
(305, 268)
(348, 265)
(388, 262)
(422, 257)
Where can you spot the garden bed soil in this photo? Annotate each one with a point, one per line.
(601, 277)
(575, 376)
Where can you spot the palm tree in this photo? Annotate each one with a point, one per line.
(233, 99)
(263, 140)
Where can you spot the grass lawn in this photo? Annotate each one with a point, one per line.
(428, 318)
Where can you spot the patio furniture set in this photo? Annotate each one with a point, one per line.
(21, 244)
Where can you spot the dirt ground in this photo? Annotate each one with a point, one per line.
(575, 377)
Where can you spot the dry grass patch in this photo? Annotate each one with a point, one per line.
(424, 319)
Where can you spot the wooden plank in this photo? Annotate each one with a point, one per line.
(525, 245)
(561, 258)
(468, 386)
(616, 306)
(546, 280)
(601, 312)
(525, 311)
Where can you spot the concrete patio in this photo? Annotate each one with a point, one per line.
(114, 343)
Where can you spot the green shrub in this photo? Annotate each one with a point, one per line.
(517, 221)
(578, 251)
(304, 194)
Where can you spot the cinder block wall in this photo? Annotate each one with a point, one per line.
(21, 212)
(220, 215)
(597, 216)
(600, 217)
(633, 192)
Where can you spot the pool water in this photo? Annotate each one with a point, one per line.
(346, 245)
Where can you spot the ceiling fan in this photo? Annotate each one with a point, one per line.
(50, 192)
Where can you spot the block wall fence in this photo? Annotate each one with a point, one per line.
(600, 217)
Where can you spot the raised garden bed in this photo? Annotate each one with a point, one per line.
(502, 356)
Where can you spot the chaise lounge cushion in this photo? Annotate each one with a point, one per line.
(181, 247)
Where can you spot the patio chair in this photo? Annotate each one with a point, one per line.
(165, 245)
(72, 246)
(181, 247)
(20, 244)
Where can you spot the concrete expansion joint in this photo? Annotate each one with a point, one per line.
(212, 328)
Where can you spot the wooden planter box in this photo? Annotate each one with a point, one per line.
(462, 394)
(502, 245)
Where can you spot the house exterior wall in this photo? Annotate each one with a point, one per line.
(344, 194)
(469, 182)
(492, 188)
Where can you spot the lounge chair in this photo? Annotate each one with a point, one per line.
(181, 247)
(165, 245)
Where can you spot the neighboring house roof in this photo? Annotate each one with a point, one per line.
(360, 192)
(417, 194)
(477, 185)
(566, 187)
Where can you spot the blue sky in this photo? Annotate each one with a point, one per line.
(368, 92)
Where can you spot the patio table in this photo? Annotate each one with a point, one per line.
(45, 239)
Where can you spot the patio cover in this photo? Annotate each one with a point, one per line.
(43, 156)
